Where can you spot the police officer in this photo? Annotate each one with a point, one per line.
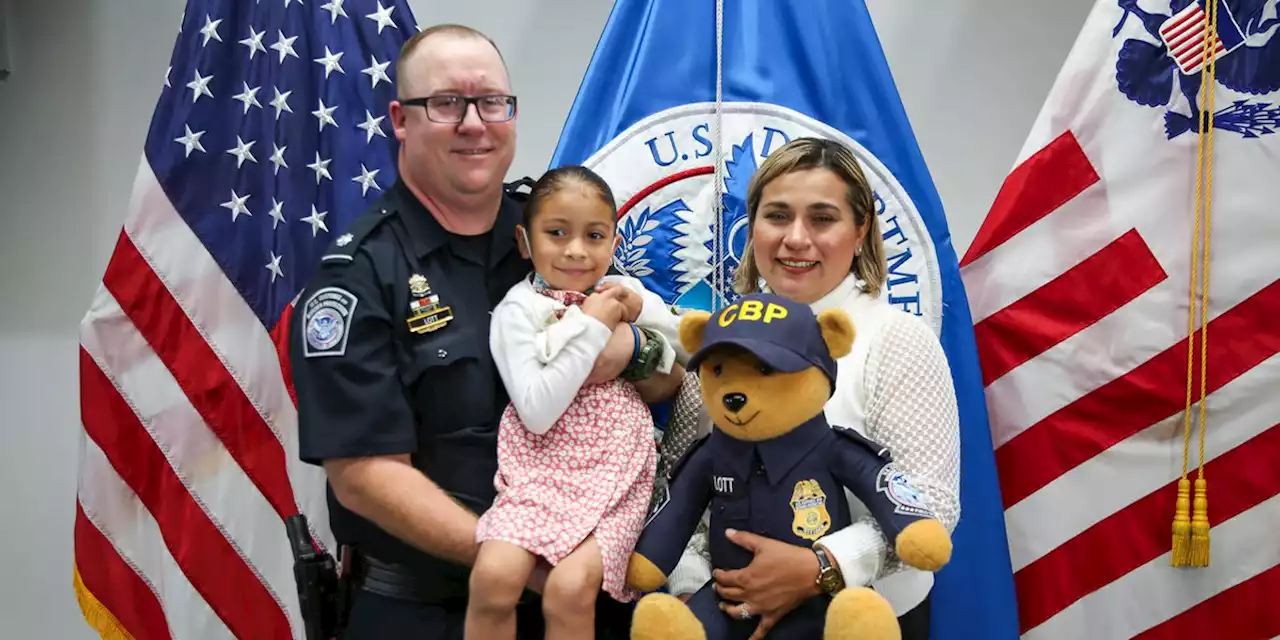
(397, 394)
(789, 487)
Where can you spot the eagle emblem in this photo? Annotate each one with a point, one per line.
(1168, 58)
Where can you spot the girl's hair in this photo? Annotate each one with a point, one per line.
(818, 153)
(560, 178)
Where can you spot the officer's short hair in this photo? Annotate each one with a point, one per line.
(417, 39)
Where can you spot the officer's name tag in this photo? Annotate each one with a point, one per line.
(724, 485)
(327, 322)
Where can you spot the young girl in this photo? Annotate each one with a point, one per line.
(576, 459)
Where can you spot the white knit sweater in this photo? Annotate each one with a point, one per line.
(895, 388)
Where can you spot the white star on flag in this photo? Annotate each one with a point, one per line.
(321, 167)
(383, 17)
(274, 267)
(281, 102)
(316, 220)
(334, 7)
(277, 157)
(210, 30)
(241, 151)
(248, 97)
(366, 179)
(284, 45)
(236, 205)
(200, 86)
(190, 140)
(254, 42)
(371, 126)
(330, 62)
(276, 213)
(325, 115)
(377, 71)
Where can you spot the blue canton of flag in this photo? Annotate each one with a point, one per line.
(679, 154)
(272, 132)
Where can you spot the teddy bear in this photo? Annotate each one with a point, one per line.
(774, 466)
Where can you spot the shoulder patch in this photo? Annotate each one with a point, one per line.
(896, 486)
(877, 449)
(343, 249)
(326, 322)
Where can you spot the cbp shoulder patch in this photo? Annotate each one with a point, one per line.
(896, 486)
(327, 322)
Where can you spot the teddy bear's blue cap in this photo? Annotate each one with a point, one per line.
(782, 333)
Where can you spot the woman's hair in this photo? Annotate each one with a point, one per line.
(561, 178)
(818, 153)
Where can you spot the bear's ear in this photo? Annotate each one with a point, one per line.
(837, 331)
(692, 325)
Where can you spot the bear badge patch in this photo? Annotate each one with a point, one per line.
(809, 504)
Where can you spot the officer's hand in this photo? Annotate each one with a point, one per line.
(779, 578)
(605, 306)
(615, 356)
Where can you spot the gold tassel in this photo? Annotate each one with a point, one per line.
(1182, 525)
(1200, 526)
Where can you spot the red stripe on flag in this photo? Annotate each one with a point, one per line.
(1179, 23)
(1239, 340)
(1067, 305)
(212, 390)
(280, 337)
(1141, 532)
(1037, 187)
(214, 568)
(114, 583)
(1247, 610)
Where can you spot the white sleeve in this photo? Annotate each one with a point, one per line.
(694, 568)
(543, 367)
(656, 316)
(911, 409)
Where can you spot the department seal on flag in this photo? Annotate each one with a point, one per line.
(662, 173)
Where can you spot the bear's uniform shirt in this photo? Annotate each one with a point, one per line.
(789, 488)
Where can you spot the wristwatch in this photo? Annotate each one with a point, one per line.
(645, 360)
(830, 581)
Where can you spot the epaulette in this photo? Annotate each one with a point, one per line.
(343, 248)
(877, 449)
(512, 189)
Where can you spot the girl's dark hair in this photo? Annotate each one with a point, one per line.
(560, 178)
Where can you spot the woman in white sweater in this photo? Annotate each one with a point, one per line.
(814, 238)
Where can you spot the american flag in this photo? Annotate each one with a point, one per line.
(269, 136)
(1185, 33)
(1080, 285)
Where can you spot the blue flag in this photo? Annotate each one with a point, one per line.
(646, 118)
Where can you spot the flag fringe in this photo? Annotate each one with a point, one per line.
(1182, 526)
(1200, 526)
(96, 614)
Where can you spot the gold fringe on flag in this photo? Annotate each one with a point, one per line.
(97, 615)
(1191, 536)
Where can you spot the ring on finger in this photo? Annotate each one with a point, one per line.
(743, 612)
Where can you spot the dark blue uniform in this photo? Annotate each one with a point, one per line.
(390, 355)
(790, 488)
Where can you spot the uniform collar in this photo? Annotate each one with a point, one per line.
(427, 234)
(779, 455)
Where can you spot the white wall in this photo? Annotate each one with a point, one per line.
(74, 114)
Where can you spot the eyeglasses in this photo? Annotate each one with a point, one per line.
(452, 109)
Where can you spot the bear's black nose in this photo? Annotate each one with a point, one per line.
(735, 401)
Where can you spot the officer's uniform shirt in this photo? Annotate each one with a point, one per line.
(368, 386)
(790, 488)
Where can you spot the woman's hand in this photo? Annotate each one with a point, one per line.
(780, 577)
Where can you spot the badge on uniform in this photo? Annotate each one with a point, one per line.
(425, 313)
(327, 322)
(906, 498)
(809, 503)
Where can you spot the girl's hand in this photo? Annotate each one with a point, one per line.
(605, 307)
(779, 578)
